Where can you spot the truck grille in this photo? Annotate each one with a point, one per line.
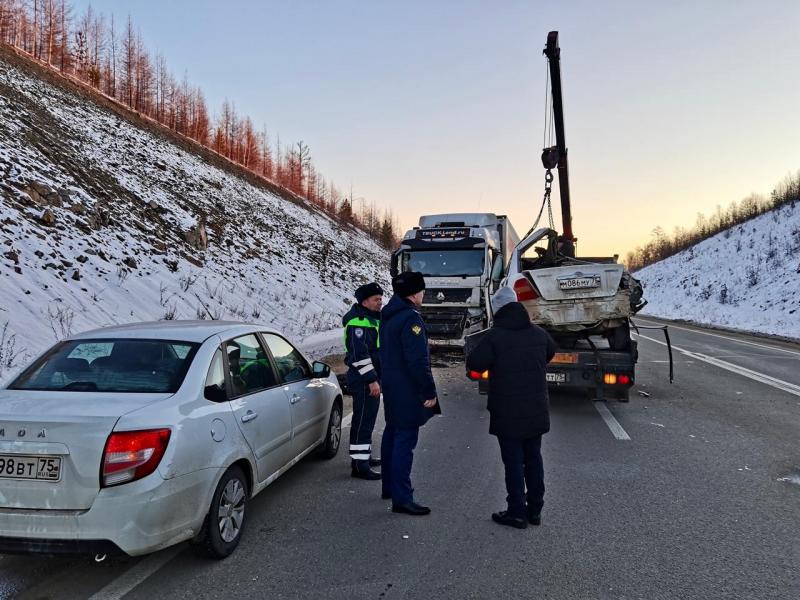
(444, 324)
(441, 295)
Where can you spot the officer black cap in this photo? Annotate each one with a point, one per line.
(408, 283)
(367, 291)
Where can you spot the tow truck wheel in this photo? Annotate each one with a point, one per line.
(624, 395)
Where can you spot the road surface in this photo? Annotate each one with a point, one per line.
(691, 490)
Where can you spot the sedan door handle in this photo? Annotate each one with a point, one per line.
(249, 416)
(295, 399)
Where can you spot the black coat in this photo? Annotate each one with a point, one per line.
(516, 353)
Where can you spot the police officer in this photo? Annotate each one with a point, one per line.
(361, 324)
(409, 392)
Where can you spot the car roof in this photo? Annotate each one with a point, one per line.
(186, 331)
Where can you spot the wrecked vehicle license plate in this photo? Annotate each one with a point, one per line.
(579, 283)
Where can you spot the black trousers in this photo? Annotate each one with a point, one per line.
(524, 469)
(365, 412)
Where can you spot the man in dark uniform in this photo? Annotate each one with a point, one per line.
(516, 353)
(361, 325)
(409, 392)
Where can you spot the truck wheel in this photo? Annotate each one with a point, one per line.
(225, 521)
(624, 395)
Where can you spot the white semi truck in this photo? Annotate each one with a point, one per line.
(463, 257)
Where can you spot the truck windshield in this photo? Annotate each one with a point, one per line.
(444, 263)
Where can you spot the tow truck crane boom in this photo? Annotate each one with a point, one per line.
(556, 156)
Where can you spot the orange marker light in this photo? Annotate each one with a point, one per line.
(610, 378)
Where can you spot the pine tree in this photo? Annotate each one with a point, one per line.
(345, 213)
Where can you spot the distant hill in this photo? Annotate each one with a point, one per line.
(746, 277)
(105, 218)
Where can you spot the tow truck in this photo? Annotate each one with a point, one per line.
(584, 303)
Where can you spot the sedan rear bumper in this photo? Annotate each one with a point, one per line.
(11, 545)
(135, 518)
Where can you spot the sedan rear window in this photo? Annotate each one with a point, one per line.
(110, 365)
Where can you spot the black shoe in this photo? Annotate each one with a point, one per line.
(504, 518)
(534, 519)
(374, 462)
(367, 474)
(412, 508)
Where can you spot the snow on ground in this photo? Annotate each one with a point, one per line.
(121, 245)
(747, 277)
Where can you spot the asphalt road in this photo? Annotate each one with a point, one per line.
(703, 501)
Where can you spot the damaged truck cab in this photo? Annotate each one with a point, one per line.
(463, 257)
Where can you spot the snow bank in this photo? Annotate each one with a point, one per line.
(747, 277)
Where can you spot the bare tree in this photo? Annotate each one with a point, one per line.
(122, 67)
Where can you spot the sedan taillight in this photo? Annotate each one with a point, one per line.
(131, 455)
(524, 290)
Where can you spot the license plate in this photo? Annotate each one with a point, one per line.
(579, 283)
(565, 358)
(556, 377)
(19, 466)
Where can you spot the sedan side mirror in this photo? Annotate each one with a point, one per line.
(320, 370)
(215, 393)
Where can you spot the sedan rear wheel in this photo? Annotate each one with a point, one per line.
(224, 523)
(231, 510)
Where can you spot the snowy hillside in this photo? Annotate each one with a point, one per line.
(102, 222)
(747, 277)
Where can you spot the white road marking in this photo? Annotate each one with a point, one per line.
(616, 429)
(134, 576)
(730, 339)
(754, 375)
(346, 421)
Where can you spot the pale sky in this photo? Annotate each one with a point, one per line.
(438, 106)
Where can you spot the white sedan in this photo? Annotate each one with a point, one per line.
(137, 437)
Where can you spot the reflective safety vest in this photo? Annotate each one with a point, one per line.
(365, 323)
(247, 363)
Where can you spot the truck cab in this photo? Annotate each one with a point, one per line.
(463, 258)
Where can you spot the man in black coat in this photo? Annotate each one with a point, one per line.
(516, 353)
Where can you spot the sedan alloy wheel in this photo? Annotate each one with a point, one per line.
(231, 510)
